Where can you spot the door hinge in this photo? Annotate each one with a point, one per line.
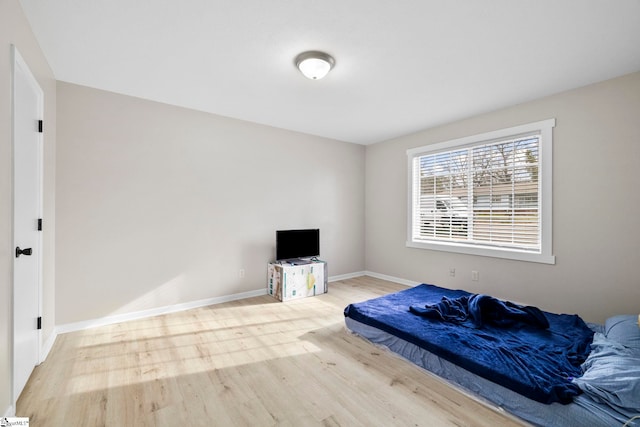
(40, 126)
(39, 224)
(40, 322)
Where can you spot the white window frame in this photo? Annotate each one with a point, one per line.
(545, 255)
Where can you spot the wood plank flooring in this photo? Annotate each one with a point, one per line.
(254, 362)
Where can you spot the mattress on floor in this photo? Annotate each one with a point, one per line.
(370, 319)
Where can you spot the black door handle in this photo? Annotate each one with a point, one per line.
(26, 251)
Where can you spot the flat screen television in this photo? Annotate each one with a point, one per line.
(293, 244)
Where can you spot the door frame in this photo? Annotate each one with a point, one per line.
(18, 64)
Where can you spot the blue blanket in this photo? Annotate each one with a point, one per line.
(538, 363)
(478, 309)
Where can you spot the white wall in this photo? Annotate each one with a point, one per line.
(160, 205)
(14, 29)
(596, 202)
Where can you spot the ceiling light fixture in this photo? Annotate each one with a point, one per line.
(314, 65)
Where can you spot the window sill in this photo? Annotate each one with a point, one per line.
(505, 253)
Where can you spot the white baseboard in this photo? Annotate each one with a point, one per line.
(346, 276)
(48, 344)
(373, 274)
(109, 320)
(118, 318)
(10, 412)
(391, 278)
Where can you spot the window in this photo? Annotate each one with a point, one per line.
(487, 194)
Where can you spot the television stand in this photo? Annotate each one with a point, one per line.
(292, 281)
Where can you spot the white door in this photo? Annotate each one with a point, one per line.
(27, 189)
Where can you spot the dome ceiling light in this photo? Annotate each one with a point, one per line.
(314, 65)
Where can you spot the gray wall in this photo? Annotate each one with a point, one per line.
(596, 232)
(160, 205)
(14, 29)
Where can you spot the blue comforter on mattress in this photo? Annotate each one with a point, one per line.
(534, 361)
(478, 309)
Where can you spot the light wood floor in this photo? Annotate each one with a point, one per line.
(254, 362)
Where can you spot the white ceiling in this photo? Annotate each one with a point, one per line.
(401, 65)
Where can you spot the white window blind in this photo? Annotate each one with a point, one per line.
(483, 193)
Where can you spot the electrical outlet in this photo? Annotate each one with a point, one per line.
(452, 272)
(241, 273)
(475, 276)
